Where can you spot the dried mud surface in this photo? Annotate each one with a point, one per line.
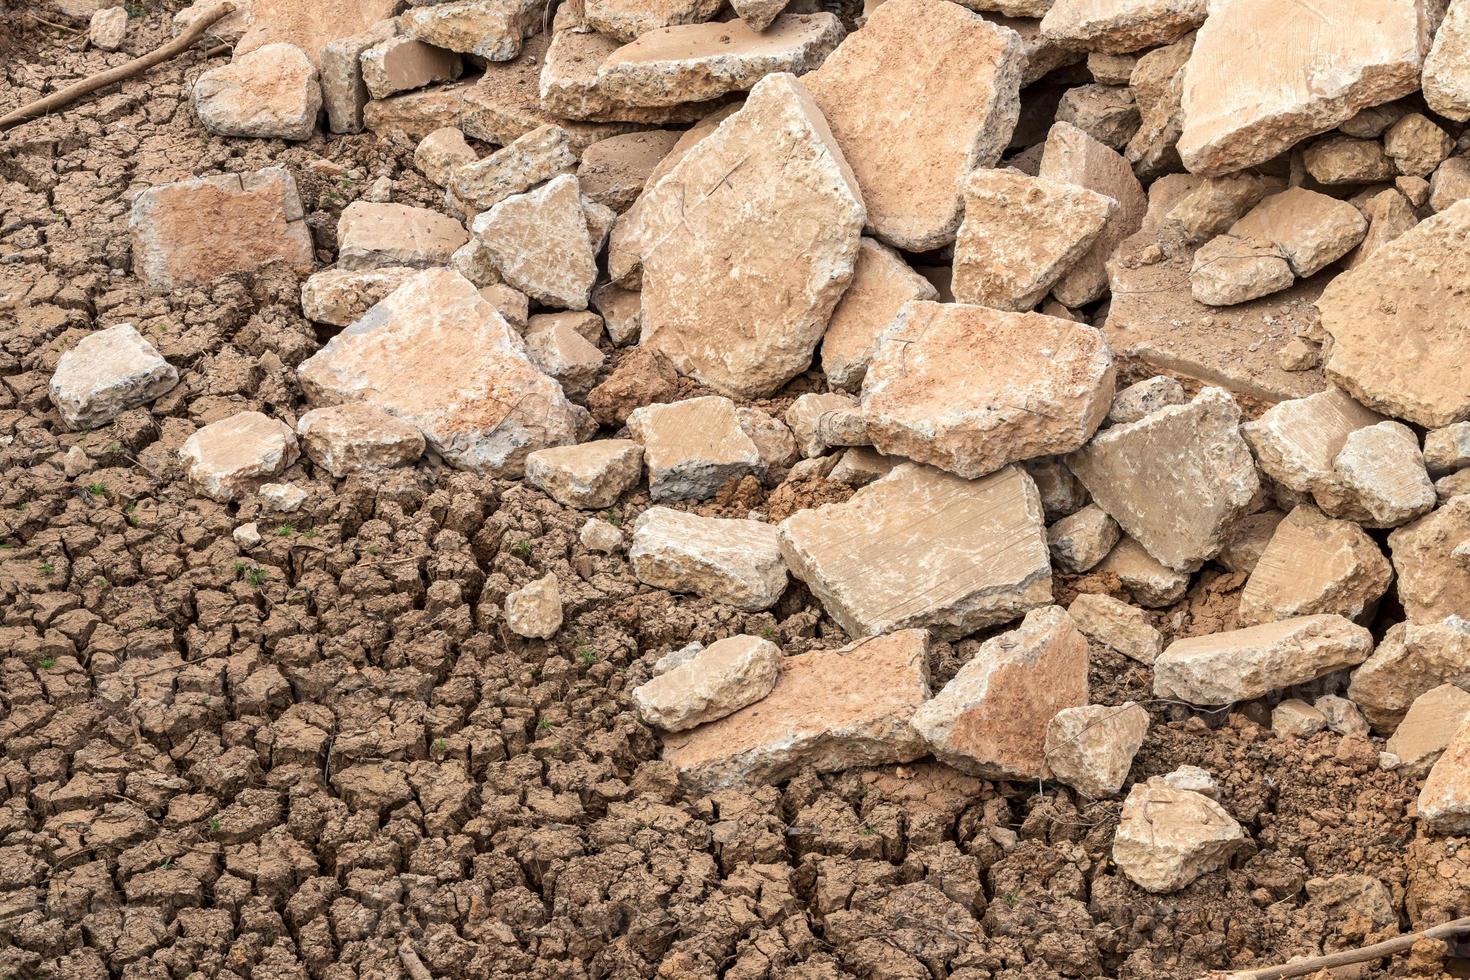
(293, 761)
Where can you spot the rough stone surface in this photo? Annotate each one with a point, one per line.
(566, 355)
(1416, 145)
(1296, 441)
(991, 719)
(108, 28)
(1310, 229)
(1150, 582)
(434, 353)
(1412, 659)
(1121, 26)
(1296, 718)
(1389, 215)
(950, 119)
(1444, 800)
(830, 710)
(590, 476)
(717, 681)
(732, 561)
(1107, 113)
(400, 64)
(1228, 270)
(272, 92)
(1032, 385)
(692, 447)
(614, 171)
(600, 536)
(1117, 626)
(106, 373)
(881, 283)
(749, 241)
(534, 610)
(821, 420)
(357, 438)
(375, 236)
(1249, 541)
(1429, 726)
(1210, 206)
(191, 231)
(1342, 716)
(1432, 583)
(569, 86)
(1091, 748)
(1176, 480)
(1144, 398)
(1344, 160)
(344, 93)
(539, 155)
(1315, 564)
(1447, 449)
(339, 296)
(924, 548)
(1238, 665)
(1379, 477)
(307, 26)
(541, 243)
(1447, 67)
(1169, 837)
(626, 20)
(233, 456)
(1081, 540)
(442, 152)
(491, 29)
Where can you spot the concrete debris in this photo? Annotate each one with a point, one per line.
(1416, 145)
(598, 535)
(1121, 26)
(591, 476)
(340, 296)
(1169, 837)
(881, 283)
(1432, 583)
(626, 20)
(442, 152)
(566, 355)
(716, 681)
(1447, 449)
(534, 610)
(1296, 441)
(1444, 800)
(1061, 492)
(1429, 725)
(1091, 748)
(1081, 540)
(692, 447)
(1309, 229)
(1150, 582)
(1118, 626)
(1342, 716)
(541, 243)
(232, 457)
(774, 442)
(106, 373)
(344, 93)
(377, 236)
(614, 171)
(535, 157)
(1144, 398)
(357, 438)
(1228, 270)
(490, 29)
(820, 421)
(1339, 159)
(737, 562)
(1447, 66)
(272, 91)
(1107, 113)
(1315, 564)
(401, 64)
(1379, 479)
(108, 28)
(1296, 718)
(1412, 659)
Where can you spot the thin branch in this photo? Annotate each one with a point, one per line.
(1377, 951)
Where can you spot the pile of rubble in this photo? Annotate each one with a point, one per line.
(948, 233)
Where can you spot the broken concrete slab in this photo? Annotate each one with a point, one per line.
(1238, 665)
(1081, 540)
(922, 547)
(716, 681)
(231, 457)
(541, 243)
(830, 710)
(1296, 441)
(1315, 564)
(1310, 229)
(692, 447)
(736, 562)
(1034, 386)
(270, 92)
(1116, 625)
(1446, 79)
(1228, 270)
(106, 373)
(307, 26)
(1389, 215)
(956, 116)
(344, 93)
(490, 29)
(590, 476)
(1429, 726)
(1150, 582)
(1447, 449)
(569, 86)
(564, 354)
(401, 64)
(190, 231)
(376, 236)
(991, 719)
(1379, 479)
(357, 438)
(1444, 800)
(1121, 26)
(537, 156)
(1432, 583)
(441, 153)
(881, 283)
(534, 610)
(627, 20)
(1091, 748)
(1168, 837)
(1412, 659)
(436, 354)
(339, 296)
(614, 171)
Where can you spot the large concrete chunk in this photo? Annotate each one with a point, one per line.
(970, 389)
(1238, 665)
(339, 296)
(1432, 583)
(590, 476)
(270, 92)
(731, 561)
(1304, 75)
(436, 354)
(693, 447)
(309, 26)
(748, 243)
(1447, 67)
(717, 681)
(491, 29)
(991, 719)
(1412, 659)
(1229, 270)
(830, 710)
(535, 610)
(344, 93)
(921, 547)
(1379, 477)
(1121, 26)
(1311, 230)
(1429, 726)
(401, 64)
(626, 20)
(1168, 837)
(912, 136)
(1091, 748)
(231, 457)
(1444, 800)
(1296, 441)
(1073, 157)
(569, 86)
(1019, 236)
(1116, 625)
(191, 231)
(697, 62)
(375, 236)
(881, 283)
(543, 153)
(1315, 565)
(357, 438)
(541, 243)
(1176, 480)
(107, 373)
(1398, 323)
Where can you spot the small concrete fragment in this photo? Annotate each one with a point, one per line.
(1116, 625)
(1412, 659)
(1251, 538)
(1228, 270)
(1310, 229)
(1144, 398)
(490, 29)
(541, 243)
(358, 438)
(1107, 113)
(614, 171)
(270, 92)
(231, 457)
(692, 447)
(340, 296)
(922, 547)
(626, 20)
(1341, 159)
(344, 93)
(1296, 718)
(376, 236)
(1091, 748)
(1210, 206)
(442, 152)
(1389, 215)
(1379, 479)
(717, 681)
(881, 283)
(1447, 449)
(830, 710)
(1296, 441)
(539, 155)
(1342, 716)
(622, 312)
(1169, 837)
(1432, 583)
(1081, 540)
(736, 562)
(401, 64)
(863, 465)
(108, 28)
(534, 610)
(822, 420)
(991, 719)
(1416, 145)
(590, 476)
(1447, 67)
(1444, 800)
(1429, 726)
(1150, 582)
(1315, 564)
(106, 373)
(569, 89)
(564, 354)
(1121, 26)
(600, 536)
(281, 498)
(1238, 665)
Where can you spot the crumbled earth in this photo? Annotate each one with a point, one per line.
(324, 756)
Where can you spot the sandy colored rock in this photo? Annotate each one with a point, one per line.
(991, 719)
(564, 354)
(1315, 564)
(1450, 183)
(1019, 236)
(1379, 479)
(622, 312)
(510, 303)
(1296, 441)
(434, 353)
(1412, 659)
(1176, 480)
(642, 377)
(108, 28)
(490, 29)
(1081, 540)
(1444, 800)
(692, 447)
(1304, 76)
(925, 548)
(1091, 748)
(1145, 397)
(1212, 205)
(1116, 625)
(830, 710)
(1032, 385)
(569, 87)
(1345, 160)
(881, 283)
(737, 562)
(543, 153)
(1107, 113)
(1389, 215)
(309, 26)
(191, 231)
(440, 153)
(953, 117)
(1432, 584)
(758, 14)
(400, 64)
(1061, 492)
(1150, 582)
(1416, 145)
(717, 681)
(271, 91)
(1446, 78)
(820, 421)
(1296, 718)
(227, 30)
(698, 62)
(1073, 157)
(106, 373)
(1228, 270)
(1169, 837)
(614, 171)
(1121, 26)
(357, 438)
(600, 536)
(590, 476)
(1249, 541)
(231, 457)
(749, 242)
(1238, 665)
(534, 610)
(339, 296)
(541, 243)
(1342, 716)
(344, 93)
(1402, 301)
(1310, 229)
(862, 465)
(1447, 449)
(376, 236)
(626, 20)
(1429, 726)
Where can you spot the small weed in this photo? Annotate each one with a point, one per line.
(769, 633)
(240, 567)
(47, 568)
(97, 489)
(585, 654)
(614, 518)
(543, 725)
(214, 824)
(113, 447)
(522, 547)
(441, 745)
(311, 533)
(136, 8)
(47, 663)
(286, 530)
(100, 582)
(256, 576)
(1010, 900)
(132, 518)
(167, 863)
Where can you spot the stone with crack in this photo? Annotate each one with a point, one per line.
(692, 447)
(537, 156)
(590, 476)
(273, 91)
(1429, 725)
(1229, 270)
(1446, 79)
(376, 236)
(1413, 658)
(1315, 564)
(436, 354)
(1168, 837)
(1091, 748)
(1150, 582)
(737, 562)
(1177, 480)
(821, 420)
(1116, 625)
(339, 296)
(1310, 229)
(106, 373)
(1296, 441)
(953, 117)
(881, 283)
(542, 244)
(925, 548)
(1034, 386)
(991, 719)
(1379, 479)
(716, 681)
(1432, 583)
(563, 353)
(1239, 665)
(534, 610)
(401, 64)
(231, 457)
(1081, 540)
(358, 438)
(490, 29)
(830, 710)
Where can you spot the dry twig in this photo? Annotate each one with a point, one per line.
(1347, 957)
